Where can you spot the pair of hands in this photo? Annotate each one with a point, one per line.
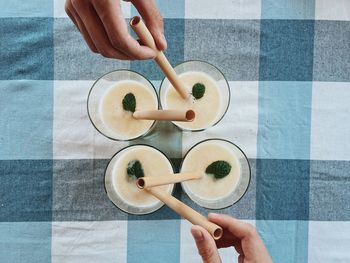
(104, 29)
(242, 236)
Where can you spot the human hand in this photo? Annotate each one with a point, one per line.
(242, 236)
(103, 27)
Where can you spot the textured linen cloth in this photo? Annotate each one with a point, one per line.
(288, 66)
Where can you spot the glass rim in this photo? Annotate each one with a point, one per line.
(88, 98)
(245, 156)
(228, 88)
(119, 151)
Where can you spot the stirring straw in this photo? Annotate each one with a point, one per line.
(146, 182)
(187, 212)
(165, 115)
(146, 38)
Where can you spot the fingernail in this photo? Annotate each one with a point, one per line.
(197, 234)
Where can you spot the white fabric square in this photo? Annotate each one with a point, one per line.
(189, 251)
(89, 242)
(330, 121)
(224, 9)
(332, 10)
(329, 241)
(239, 125)
(74, 136)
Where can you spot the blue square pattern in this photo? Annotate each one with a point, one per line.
(28, 190)
(26, 109)
(288, 9)
(25, 242)
(284, 120)
(26, 48)
(286, 241)
(332, 51)
(329, 190)
(174, 33)
(79, 193)
(26, 119)
(282, 189)
(160, 243)
(232, 45)
(20, 8)
(286, 50)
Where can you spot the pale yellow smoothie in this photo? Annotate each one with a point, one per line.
(153, 162)
(121, 122)
(199, 158)
(207, 108)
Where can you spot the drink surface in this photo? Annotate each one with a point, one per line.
(207, 108)
(153, 162)
(208, 187)
(120, 122)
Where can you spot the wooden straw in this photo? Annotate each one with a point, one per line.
(187, 212)
(146, 182)
(165, 115)
(146, 38)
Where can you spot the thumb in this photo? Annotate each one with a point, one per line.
(205, 244)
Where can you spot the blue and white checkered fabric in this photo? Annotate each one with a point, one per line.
(288, 65)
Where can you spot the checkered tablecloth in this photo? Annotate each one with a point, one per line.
(288, 65)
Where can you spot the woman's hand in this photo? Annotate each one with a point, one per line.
(242, 236)
(104, 29)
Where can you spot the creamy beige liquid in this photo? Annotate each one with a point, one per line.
(209, 188)
(207, 108)
(120, 122)
(154, 164)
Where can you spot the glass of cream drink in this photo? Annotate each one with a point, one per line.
(227, 173)
(209, 99)
(122, 172)
(112, 100)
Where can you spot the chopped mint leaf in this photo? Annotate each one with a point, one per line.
(129, 102)
(198, 90)
(135, 169)
(219, 169)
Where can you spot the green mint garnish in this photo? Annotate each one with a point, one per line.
(198, 90)
(135, 169)
(219, 169)
(129, 102)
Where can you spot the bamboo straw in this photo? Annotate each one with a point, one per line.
(146, 38)
(187, 212)
(146, 182)
(165, 115)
